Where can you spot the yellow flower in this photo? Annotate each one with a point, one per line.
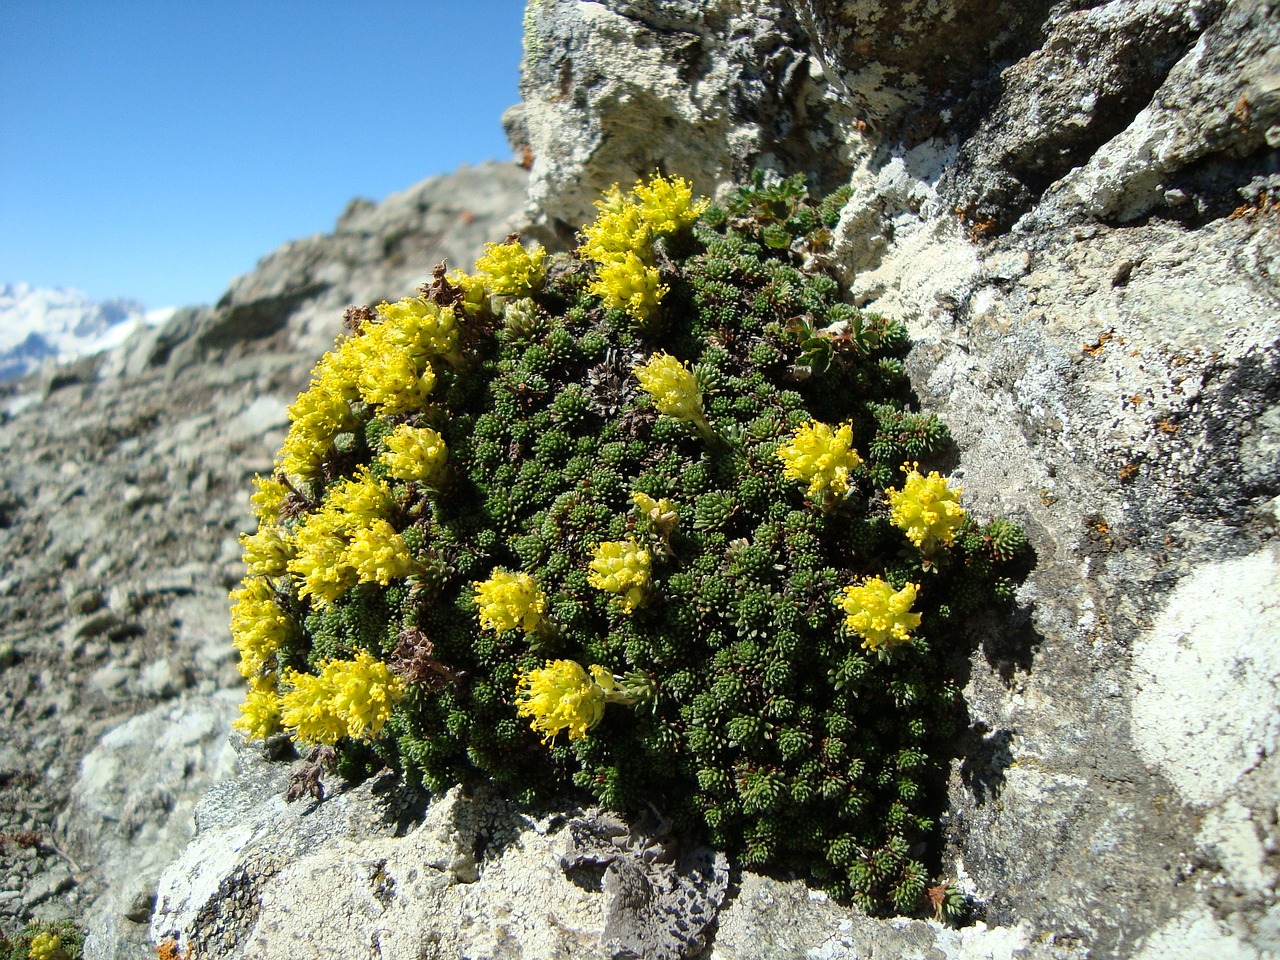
(350, 698)
(667, 206)
(46, 945)
(509, 600)
(260, 712)
(672, 386)
(926, 509)
(269, 496)
(259, 628)
(415, 453)
(619, 229)
(561, 696)
(630, 284)
(661, 513)
(474, 294)
(621, 241)
(878, 613)
(320, 413)
(378, 554)
(361, 499)
(621, 567)
(267, 553)
(321, 559)
(349, 541)
(393, 374)
(511, 270)
(419, 326)
(822, 457)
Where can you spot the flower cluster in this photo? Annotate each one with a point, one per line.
(879, 614)
(509, 600)
(267, 552)
(822, 457)
(349, 541)
(667, 206)
(676, 392)
(562, 696)
(620, 241)
(672, 386)
(926, 509)
(489, 490)
(621, 567)
(387, 364)
(349, 698)
(268, 497)
(47, 945)
(259, 628)
(415, 454)
(661, 514)
(512, 271)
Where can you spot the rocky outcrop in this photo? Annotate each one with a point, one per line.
(1071, 206)
(124, 491)
(613, 91)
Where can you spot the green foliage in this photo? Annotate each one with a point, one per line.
(772, 731)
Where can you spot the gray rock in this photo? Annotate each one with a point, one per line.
(614, 91)
(131, 807)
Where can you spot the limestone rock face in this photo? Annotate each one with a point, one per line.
(613, 91)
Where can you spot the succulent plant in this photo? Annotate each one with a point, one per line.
(621, 519)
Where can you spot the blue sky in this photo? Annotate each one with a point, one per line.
(156, 150)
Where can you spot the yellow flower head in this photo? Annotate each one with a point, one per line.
(378, 554)
(474, 294)
(667, 206)
(259, 628)
(392, 375)
(509, 600)
(260, 712)
(562, 696)
(267, 553)
(350, 698)
(661, 513)
(269, 496)
(320, 413)
(619, 229)
(628, 283)
(511, 270)
(878, 613)
(415, 454)
(47, 945)
(420, 327)
(621, 567)
(621, 241)
(672, 386)
(822, 457)
(349, 541)
(926, 509)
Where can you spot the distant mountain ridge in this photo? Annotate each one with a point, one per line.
(62, 323)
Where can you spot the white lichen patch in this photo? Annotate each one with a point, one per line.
(1196, 933)
(1230, 835)
(1206, 678)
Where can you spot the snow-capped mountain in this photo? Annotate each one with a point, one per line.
(37, 324)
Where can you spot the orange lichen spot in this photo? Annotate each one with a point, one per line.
(1095, 348)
